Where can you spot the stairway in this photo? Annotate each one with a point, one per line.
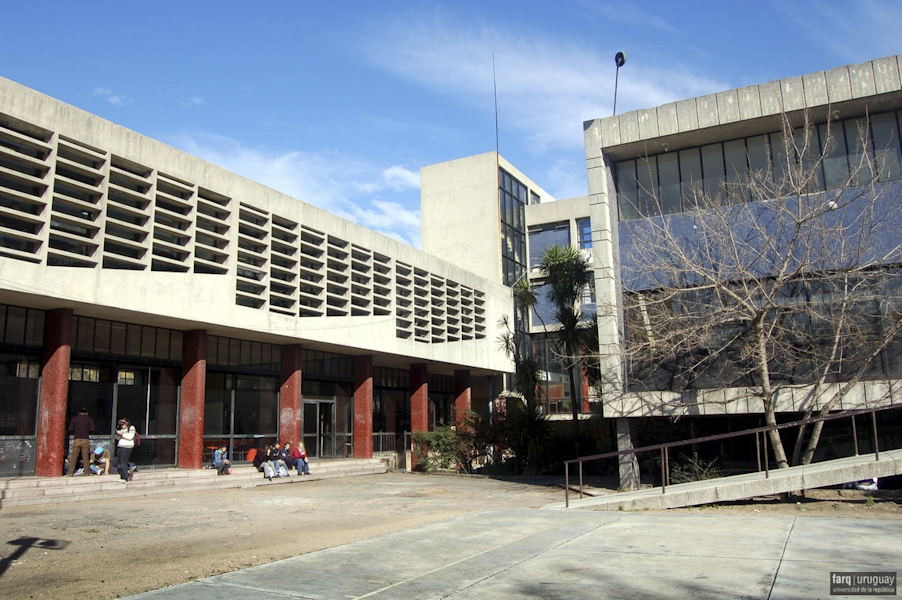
(749, 485)
(25, 491)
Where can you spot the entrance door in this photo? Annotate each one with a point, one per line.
(319, 428)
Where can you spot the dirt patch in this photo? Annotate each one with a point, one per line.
(114, 548)
(880, 504)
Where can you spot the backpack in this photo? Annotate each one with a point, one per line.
(137, 438)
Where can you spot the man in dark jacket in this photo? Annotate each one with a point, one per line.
(81, 426)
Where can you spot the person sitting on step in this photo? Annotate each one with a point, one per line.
(220, 461)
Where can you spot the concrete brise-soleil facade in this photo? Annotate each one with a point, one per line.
(850, 92)
(121, 254)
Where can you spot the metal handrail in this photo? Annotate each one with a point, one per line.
(665, 447)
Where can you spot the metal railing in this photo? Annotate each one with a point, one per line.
(760, 450)
(389, 442)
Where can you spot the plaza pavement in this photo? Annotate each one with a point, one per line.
(533, 553)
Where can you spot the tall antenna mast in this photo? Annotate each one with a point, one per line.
(495, 91)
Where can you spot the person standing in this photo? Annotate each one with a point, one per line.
(125, 433)
(81, 426)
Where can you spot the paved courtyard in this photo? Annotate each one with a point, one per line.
(524, 553)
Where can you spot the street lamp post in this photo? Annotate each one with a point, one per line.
(619, 60)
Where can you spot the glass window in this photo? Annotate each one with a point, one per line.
(833, 147)
(543, 311)
(737, 170)
(102, 329)
(18, 394)
(15, 325)
(218, 404)
(690, 177)
(91, 386)
(131, 397)
(256, 405)
(627, 190)
(757, 155)
(714, 174)
(806, 144)
(859, 150)
(647, 179)
(584, 233)
(133, 340)
(886, 146)
(148, 341)
(832, 155)
(780, 160)
(669, 182)
(542, 239)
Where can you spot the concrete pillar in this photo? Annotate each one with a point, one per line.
(463, 391)
(363, 407)
(629, 463)
(191, 408)
(51, 438)
(291, 414)
(419, 405)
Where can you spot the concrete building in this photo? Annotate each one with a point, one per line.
(632, 160)
(139, 281)
(484, 214)
(638, 163)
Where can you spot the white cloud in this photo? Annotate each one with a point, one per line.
(858, 29)
(401, 178)
(112, 98)
(192, 101)
(345, 186)
(546, 87)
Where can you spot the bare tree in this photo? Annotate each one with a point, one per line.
(768, 284)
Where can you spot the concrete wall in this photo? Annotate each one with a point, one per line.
(745, 111)
(282, 271)
(461, 219)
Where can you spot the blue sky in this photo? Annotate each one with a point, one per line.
(340, 104)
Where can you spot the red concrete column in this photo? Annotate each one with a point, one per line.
(290, 413)
(463, 396)
(51, 438)
(419, 404)
(584, 386)
(363, 407)
(191, 408)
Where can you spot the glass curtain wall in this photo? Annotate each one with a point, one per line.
(513, 197)
(442, 411)
(21, 339)
(124, 370)
(391, 409)
(671, 183)
(240, 412)
(146, 396)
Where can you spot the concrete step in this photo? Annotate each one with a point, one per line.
(749, 485)
(25, 491)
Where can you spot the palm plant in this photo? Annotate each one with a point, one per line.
(567, 273)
